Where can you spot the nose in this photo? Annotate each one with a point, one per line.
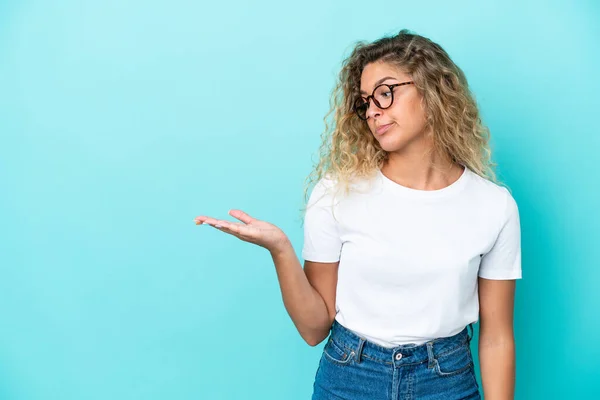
(373, 110)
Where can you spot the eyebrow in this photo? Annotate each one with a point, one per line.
(380, 81)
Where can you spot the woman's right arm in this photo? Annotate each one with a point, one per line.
(308, 294)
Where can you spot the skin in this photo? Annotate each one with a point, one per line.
(409, 138)
(407, 143)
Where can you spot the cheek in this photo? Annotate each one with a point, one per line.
(410, 115)
(420, 109)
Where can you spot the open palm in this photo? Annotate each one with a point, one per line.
(250, 230)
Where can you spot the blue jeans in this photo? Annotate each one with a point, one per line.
(353, 368)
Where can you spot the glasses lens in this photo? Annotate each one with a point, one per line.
(383, 98)
(360, 106)
(383, 95)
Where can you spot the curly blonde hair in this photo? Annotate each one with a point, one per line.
(349, 150)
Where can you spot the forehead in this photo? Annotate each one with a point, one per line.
(375, 72)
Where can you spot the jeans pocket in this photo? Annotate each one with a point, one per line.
(336, 353)
(454, 362)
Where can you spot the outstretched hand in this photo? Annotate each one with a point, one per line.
(250, 230)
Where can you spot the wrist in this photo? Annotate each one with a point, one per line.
(281, 248)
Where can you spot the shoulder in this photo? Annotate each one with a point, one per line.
(328, 181)
(324, 189)
(492, 190)
(324, 185)
(342, 189)
(497, 197)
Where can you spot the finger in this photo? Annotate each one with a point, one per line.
(218, 223)
(242, 216)
(227, 229)
(207, 221)
(235, 228)
(239, 229)
(200, 219)
(232, 229)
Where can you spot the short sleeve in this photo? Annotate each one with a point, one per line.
(322, 242)
(503, 261)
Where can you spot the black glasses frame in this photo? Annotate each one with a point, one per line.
(372, 96)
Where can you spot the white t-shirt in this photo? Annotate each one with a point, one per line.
(409, 259)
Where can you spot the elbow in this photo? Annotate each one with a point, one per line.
(317, 334)
(314, 341)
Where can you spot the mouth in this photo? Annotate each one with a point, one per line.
(381, 129)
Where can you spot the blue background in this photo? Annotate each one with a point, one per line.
(122, 121)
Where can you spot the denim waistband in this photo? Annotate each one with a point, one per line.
(407, 354)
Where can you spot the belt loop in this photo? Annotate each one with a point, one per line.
(361, 343)
(430, 358)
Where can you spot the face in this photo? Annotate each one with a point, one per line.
(406, 116)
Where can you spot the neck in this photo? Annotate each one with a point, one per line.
(421, 169)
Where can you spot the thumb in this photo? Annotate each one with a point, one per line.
(242, 216)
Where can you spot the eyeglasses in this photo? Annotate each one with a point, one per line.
(383, 97)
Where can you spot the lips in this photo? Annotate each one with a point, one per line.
(382, 128)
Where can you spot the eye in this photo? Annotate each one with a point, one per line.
(360, 102)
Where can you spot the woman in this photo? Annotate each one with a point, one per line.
(408, 237)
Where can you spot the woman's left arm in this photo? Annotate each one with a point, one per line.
(496, 338)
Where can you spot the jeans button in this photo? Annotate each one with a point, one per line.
(398, 357)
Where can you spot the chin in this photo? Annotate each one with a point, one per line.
(390, 143)
(398, 142)
(392, 148)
